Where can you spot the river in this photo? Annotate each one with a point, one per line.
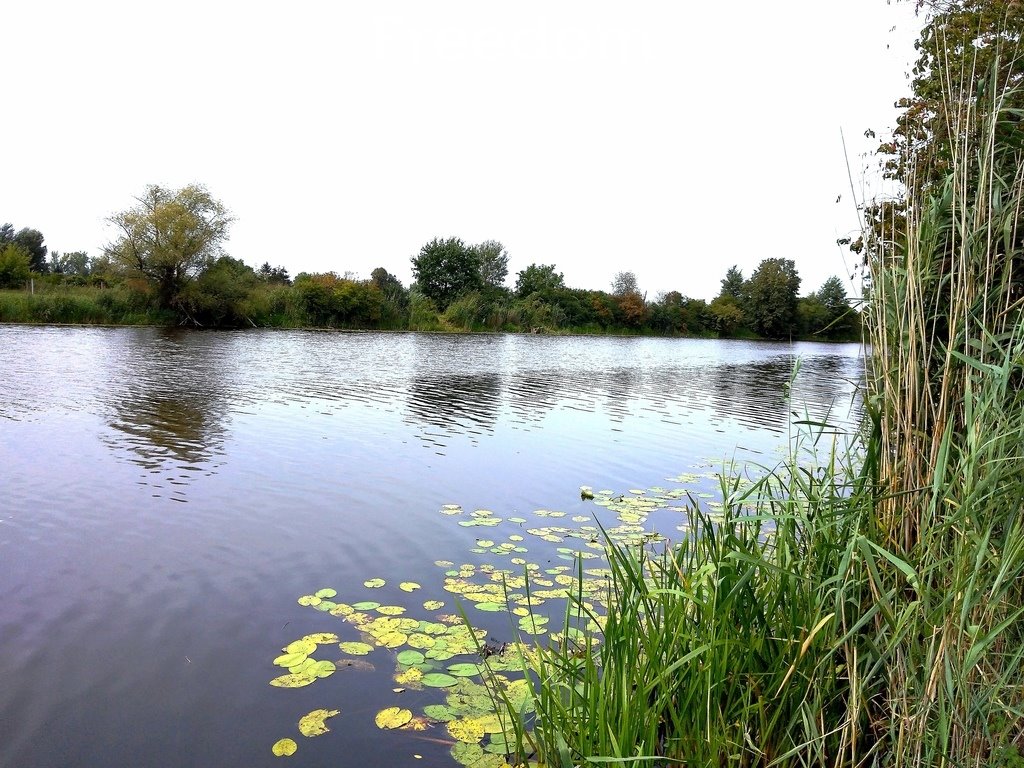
(167, 495)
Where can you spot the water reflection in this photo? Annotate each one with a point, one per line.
(454, 404)
(170, 416)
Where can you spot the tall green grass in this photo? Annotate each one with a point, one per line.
(859, 606)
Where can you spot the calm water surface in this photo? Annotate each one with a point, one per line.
(165, 496)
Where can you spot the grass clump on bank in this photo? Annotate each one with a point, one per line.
(868, 608)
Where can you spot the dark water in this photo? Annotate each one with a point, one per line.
(165, 496)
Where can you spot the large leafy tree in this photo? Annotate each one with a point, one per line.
(493, 263)
(772, 293)
(170, 237)
(446, 269)
(14, 265)
(539, 278)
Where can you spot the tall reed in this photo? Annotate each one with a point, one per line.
(864, 607)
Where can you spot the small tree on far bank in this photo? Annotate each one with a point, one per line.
(445, 269)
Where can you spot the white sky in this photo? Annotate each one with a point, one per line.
(669, 138)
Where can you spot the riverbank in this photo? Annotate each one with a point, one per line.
(118, 307)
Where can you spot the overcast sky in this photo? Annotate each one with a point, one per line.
(672, 139)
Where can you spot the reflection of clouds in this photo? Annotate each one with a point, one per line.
(169, 418)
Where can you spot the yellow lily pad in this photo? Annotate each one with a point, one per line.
(408, 586)
(284, 747)
(292, 681)
(322, 638)
(309, 600)
(374, 583)
(301, 646)
(356, 648)
(313, 724)
(433, 605)
(392, 717)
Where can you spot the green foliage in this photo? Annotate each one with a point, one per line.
(169, 238)
(216, 297)
(15, 265)
(771, 296)
(625, 284)
(446, 269)
(493, 263)
(538, 278)
(275, 275)
(733, 285)
(725, 315)
(31, 241)
(331, 301)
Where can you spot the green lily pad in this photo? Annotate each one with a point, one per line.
(439, 680)
(438, 712)
(309, 600)
(410, 657)
(326, 592)
(464, 670)
(321, 669)
(284, 747)
(366, 605)
(374, 583)
(322, 638)
(408, 586)
(489, 606)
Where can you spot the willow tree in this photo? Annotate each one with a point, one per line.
(170, 237)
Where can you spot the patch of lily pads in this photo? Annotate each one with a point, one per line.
(442, 653)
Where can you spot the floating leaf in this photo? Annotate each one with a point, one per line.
(411, 677)
(439, 680)
(322, 638)
(433, 605)
(438, 712)
(410, 657)
(392, 717)
(489, 606)
(301, 646)
(313, 724)
(467, 754)
(284, 747)
(326, 592)
(374, 583)
(390, 610)
(356, 648)
(321, 669)
(464, 670)
(309, 600)
(393, 639)
(292, 681)
(366, 605)
(290, 659)
(468, 729)
(408, 586)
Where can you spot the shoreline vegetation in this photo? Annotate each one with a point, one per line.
(167, 268)
(862, 604)
(329, 302)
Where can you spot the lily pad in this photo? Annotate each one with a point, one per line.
(390, 610)
(290, 659)
(356, 648)
(284, 747)
(408, 586)
(392, 717)
(292, 681)
(326, 592)
(322, 638)
(410, 657)
(309, 600)
(366, 605)
(301, 646)
(464, 670)
(439, 680)
(374, 583)
(313, 724)
(433, 605)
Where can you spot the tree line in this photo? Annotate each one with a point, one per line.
(167, 264)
